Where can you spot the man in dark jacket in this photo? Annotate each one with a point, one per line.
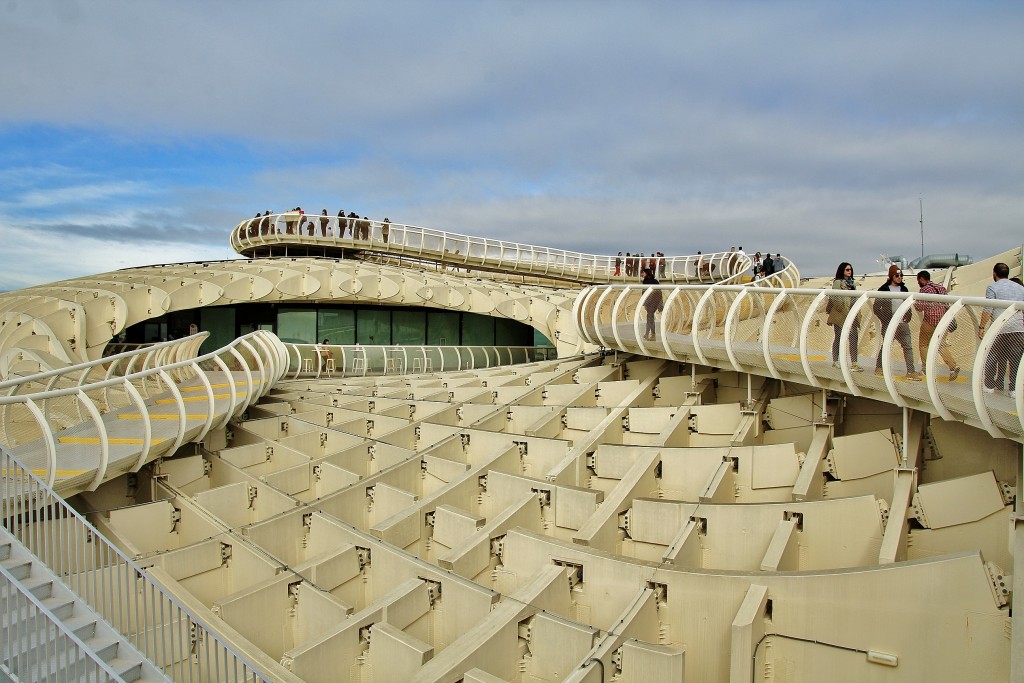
(653, 303)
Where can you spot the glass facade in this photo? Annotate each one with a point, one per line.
(341, 324)
(409, 327)
(337, 325)
(297, 325)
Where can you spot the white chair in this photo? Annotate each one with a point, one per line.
(329, 367)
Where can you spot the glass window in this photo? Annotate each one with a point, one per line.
(337, 324)
(477, 330)
(409, 327)
(442, 328)
(296, 326)
(219, 321)
(373, 326)
(511, 333)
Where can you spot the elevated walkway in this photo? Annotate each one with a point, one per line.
(292, 234)
(88, 432)
(785, 334)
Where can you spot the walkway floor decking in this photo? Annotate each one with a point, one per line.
(79, 453)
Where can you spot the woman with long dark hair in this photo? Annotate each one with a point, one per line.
(838, 308)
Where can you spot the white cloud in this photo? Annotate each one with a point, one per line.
(809, 128)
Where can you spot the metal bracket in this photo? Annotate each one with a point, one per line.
(364, 557)
(918, 512)
(1001, 583)
(574, 571)
(498, 546)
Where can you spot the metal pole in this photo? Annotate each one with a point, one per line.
(920, 201)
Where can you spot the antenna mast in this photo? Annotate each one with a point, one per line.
(920, 202)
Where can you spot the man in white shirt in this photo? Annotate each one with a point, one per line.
(1008, 346)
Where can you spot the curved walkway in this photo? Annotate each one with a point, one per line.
(784, 333)
(80, 426)
(312, 234)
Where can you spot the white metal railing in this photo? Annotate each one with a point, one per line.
(37, 407)
(786, 334)
(62, 656)
(463, 251)
(141, 357)
(167, 632)
(349, 360)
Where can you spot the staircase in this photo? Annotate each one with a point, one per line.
(47, 633)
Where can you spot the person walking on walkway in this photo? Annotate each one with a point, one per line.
(1009, 343)
(838, 308)
(932, 312)
(653, 303)
(884, 308)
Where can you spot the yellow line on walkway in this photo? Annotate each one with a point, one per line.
(161, 416)
(796, 356)
(193, 399)
(39, 472)
(95, 439)
(215, 386)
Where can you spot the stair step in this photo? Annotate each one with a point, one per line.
(127, 669)
(104, 646)
(41, 588)
(21, 569)
(5, 550)
(82, 625)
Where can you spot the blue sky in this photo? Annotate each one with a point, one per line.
(141, 132)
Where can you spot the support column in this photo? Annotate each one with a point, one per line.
(1017, 540)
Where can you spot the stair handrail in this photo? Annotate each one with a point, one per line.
(65, 633)
(24, 495)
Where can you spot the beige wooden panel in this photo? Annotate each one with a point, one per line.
(645, 662)
(452, 525)
(584, 419)
(773, 466)
(557, 647)
(650, 420)
(793, 411)
(861, 455)
(472, 555)
(395, 655)
(612, 461)
(959, 501)
(717, 419)
(658, 521)
(685, 471)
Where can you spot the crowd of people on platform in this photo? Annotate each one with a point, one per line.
(634, 265)
(1003, 358)
(763, 267)
(296, 222)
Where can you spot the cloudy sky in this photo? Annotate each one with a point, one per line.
(138, 132)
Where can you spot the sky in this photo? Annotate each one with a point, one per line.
(135, 132)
